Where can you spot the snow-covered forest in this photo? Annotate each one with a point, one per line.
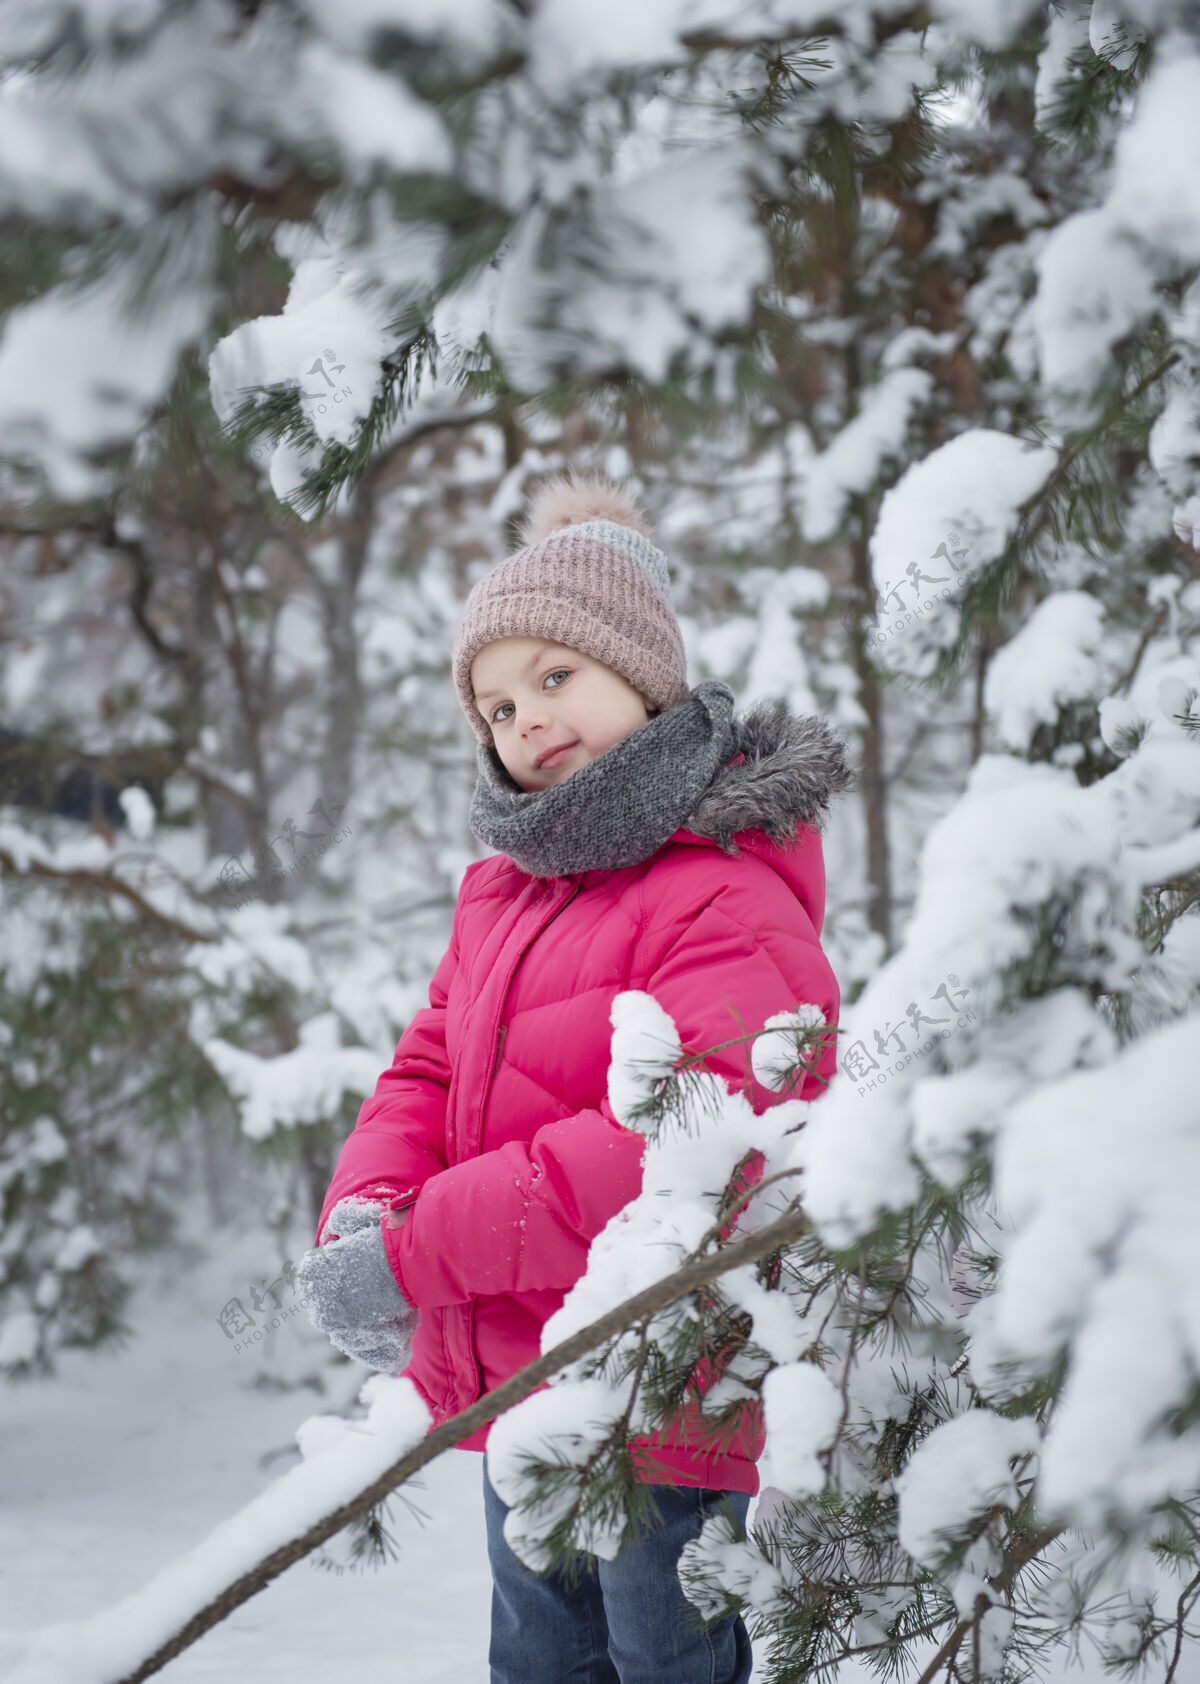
(891, 314)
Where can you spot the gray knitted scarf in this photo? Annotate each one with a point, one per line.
(669, 773)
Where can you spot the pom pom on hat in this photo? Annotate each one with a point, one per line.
(588, 577)
(572, 499)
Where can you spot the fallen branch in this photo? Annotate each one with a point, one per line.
(783, 1232)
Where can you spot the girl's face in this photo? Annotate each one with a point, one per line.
(551, 709)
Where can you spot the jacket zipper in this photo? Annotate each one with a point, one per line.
(480, 1377)
(502, 1027)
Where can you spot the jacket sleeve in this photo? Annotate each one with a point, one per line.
(399, 1140)
(521, 1218)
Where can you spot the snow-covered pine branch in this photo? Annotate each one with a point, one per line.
(566, 1460)
(977, 1377)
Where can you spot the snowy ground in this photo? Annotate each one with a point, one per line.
(126, 1459)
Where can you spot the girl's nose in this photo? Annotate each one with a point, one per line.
(533, 719)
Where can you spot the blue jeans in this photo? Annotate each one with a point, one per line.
(622, 1622)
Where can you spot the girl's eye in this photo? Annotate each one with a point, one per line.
(559, 672)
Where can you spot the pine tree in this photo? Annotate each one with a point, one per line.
(977, 1389)
(964, 337)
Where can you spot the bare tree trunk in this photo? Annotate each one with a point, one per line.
(978, 712)
(339, 601)
(873, 781)
(316, 1149)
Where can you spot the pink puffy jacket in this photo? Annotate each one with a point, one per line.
(495, 1106)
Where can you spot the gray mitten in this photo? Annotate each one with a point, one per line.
(355, 1211)
(349, 1291)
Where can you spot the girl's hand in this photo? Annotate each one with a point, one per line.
(350, 1214)
(348, 1291)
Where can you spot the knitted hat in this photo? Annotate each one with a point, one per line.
(588, 577)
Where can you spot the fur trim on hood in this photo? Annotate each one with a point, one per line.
(794, 765)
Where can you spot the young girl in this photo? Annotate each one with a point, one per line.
(645, 839)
